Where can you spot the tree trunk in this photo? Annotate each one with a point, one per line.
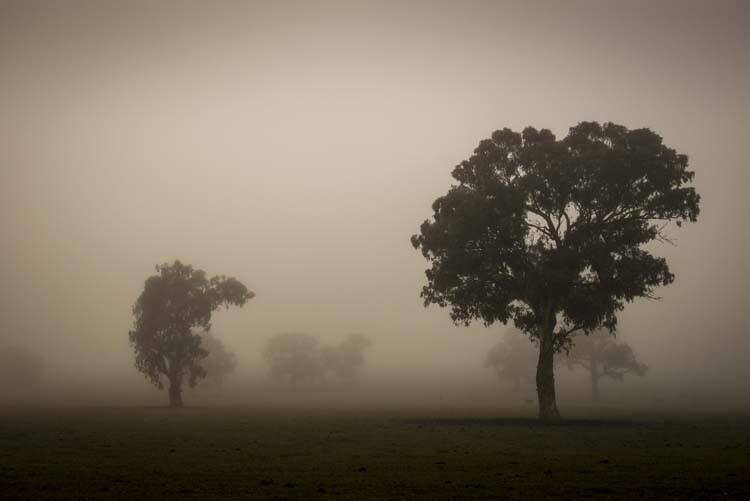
(545, 378)
(175, 390)
(594, 380)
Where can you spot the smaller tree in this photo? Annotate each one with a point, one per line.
(600, 355)
(19, 367)
(346, 359)
(220, 363)
(513, 359)
(173, 305)
(294, 357)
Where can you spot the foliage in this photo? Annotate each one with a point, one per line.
(174, 303)
(538, 226)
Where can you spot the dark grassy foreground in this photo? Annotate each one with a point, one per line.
(212, 453)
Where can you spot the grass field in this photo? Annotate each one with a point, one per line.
(220, 453)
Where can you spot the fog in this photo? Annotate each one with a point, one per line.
(297, 146)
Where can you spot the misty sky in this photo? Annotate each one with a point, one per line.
(298, 146)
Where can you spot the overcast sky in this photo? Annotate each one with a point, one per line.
(298, 145)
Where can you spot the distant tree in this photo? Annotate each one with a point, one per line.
(550, 234)
(346, 359)
(19, 367)
(173, 303)
(602, 356)
(513, 359)
(294, 358)
(220, 363)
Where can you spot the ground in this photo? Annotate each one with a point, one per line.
(282, 453)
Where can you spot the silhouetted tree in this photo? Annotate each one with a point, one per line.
(174, 303)
(549, 233)
(346, 359)
(19, 367)
(294, 357)
(602, 356)
(219, 363)
(513, 359)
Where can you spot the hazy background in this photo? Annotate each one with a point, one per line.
(298, 145)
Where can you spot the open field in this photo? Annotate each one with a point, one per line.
(282, 453)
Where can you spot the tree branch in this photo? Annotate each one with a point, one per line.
(552, 233)
(570, 331)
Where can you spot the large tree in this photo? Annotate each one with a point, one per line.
(603, 357)
(174, 303)
(549, 233)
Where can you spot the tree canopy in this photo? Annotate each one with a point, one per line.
(174, 303)
(549, 233)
